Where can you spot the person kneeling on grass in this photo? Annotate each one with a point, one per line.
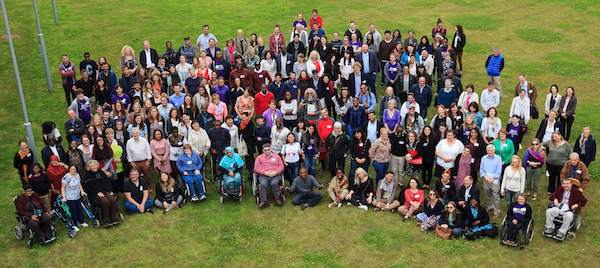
(338, 188)
(189, 165)
(136, 193)
(413, 200)
(386, 193)
(361, 191)
(303, 185)
(452, 218)
(31, 206)
(168, 196)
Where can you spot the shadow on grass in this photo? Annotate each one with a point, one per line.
(538, 35)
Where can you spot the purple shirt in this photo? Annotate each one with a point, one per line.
(223, 93)
(303, 22)
(513, 133)
(85, 111)
(124, 100)
(392, 70)
(393, 121)
(268, 115)
(519, 212)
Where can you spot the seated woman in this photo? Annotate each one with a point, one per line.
(41, 184)
(434, 206)
(361, 191)
(517, 217)
(231, 166)
(189, 165)
(479, 221)
(386, 193)
(452, 218)
(168, 196)
(446, 188)
(413, 199)
(338, 187)
(31, 206)
(99, 189)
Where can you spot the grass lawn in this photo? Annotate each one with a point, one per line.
(547, 40)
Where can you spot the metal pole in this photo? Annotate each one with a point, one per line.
(43, 49)
(55, 13)
(28, 130)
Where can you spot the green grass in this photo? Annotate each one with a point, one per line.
(211, 234)
(538, 35)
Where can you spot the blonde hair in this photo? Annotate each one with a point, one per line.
(473, 124)
(519, 162)
(168, 185)
(101, 126)
(539, 150)
(125, 47)
(359, 171)
(581, 137)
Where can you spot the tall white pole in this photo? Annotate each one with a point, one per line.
(43, 49)
(28, 130)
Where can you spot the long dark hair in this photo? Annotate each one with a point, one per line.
(315, 135)
(460, 31)
(363, 136)
(432, 136)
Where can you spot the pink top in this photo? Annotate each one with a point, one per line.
(219, 111)
(275, 42)
(160, 150)
(409, 196)
(262, 164)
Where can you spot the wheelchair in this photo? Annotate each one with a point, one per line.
(22, 228)
(235, 192)
(524, 236)
(256, 187)
(97, 211)
(184, 189)
(573, 227)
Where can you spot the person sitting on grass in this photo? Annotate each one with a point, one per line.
(517, 216)
(136, 194)
(303, 185)
(434, 206)
(413, 200)
(269, 167)
(479, 221)
(361, 191)
(452, 218)
(386, 193)
(168, 196)
(189, 165)
(31, 206)
(338, 188)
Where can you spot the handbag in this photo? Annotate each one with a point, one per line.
(443, 233)
(418, 161)
(535, 113)
(242, 148)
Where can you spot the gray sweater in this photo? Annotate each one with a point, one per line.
(301, 186)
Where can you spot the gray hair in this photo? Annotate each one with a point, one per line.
(574, 154)
(337, 125)
(490, 146)
(496, 48)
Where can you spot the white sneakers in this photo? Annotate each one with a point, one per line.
(332, 205)
(364, 207)
(82, 225)
(75, 228)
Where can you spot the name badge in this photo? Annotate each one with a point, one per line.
(417, 196)
(325, 48)
(472, 160)
(446, 186)
(28, 155)
(425, 144)
(180, 143)
(530, 91)
(189, 162)
(578, 171)
(556, 129)
(288, 62)
(329, 126)
(141, 188)
(309, 147)
(360, 144)
(476, 144)
(242, 76)
(272, 159)
(401, 142)
(294, 86)
(458, 117)
(260, 76)
(505, 145)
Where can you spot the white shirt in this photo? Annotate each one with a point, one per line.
(54, 151)
(233, 134)
(404, 108)
(138, 150)
(292, 106)
(489, 100)
(291, 152)
(549, 130)
(491, 130)
(372, 131)
(148, 59)
(448, 152)
(346, 68)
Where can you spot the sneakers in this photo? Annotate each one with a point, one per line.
(548, 232)
(339, 205)
(363, 207)
(332, 205)
(203, 197)
(303, 206)
(194, 198)
(48, 240)
(107, 224)
(349, 204)
(149, 210)
(82, 224)
(559, 237)
(75, 228)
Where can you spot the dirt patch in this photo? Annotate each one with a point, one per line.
(4, 36)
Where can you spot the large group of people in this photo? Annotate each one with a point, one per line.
(307, 98)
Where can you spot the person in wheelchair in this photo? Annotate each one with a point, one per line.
(564, 201)
(99, 188)
(190, 164)
(168, 196)
(231, 167)
(32, 208)
(269, 167)
(517, 217)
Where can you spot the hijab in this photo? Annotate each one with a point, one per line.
(229, 162)
(55, 172)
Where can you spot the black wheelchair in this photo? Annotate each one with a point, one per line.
(524, 236)
(573, 227)
(22, 228)
(256, 187)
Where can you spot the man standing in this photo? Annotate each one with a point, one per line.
(302, 185)
(89, 65)
(355, 79)
(127, 80)
(530, 90)
(324, 128)
(367, 99)
(213, 49)
(285, 63)
(86, 83)
(171, 55)
(490, 169)
(192, 83)
(139, 155)
(372, 127)
(241, 43)
(494, 65)
(241, 72)
(355, 117)
(202, 41)
(277, 88)
(68, 74)
(262, 99)
(293, 85)
(423, 96)
(398, 155)
(219, 140)
(316, 30)
(489, 98)
(148, 56)
(187, 50)
(376, 37)
(370, 66)
(386, 46)
(108, 76)
(53, 148)
(177, 98)
(352, 30)
(276, 40)
(74, 127)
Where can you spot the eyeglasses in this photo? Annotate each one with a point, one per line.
(431, 194)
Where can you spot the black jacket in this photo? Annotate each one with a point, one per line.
(77, 126)
(428, 152)
(153, 57)
(362, 189)
(398, 142)
(161, 195)
(544, 124)
(461, 194)
(210, 121)
(448, 191)
(337, 146)
(292, 51)
(458, 222)
(47, 153)
(351, 82)
(226, 69)
(400, 84)
(127, 83)
(482, 216)
(354, 153)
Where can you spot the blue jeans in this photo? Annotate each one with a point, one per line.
(354, 165)
(130, 206)
(380, 169)
(511, 196)
(371, 77)
(423, 113)
(76, 211)
(457, 231)
(192, 178)
(350, 129)
(513, 230)
(310, 164)
(291, 171)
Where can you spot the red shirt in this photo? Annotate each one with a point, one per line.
(324, 127)
(319, 21)
(409, 196)
(244, 75)
(258, 79)
(261, 102)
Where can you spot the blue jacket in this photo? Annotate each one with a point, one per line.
(113, 80)
(289, 64)
(494, 65)
(405, 59)
(589, 149)
(277, 90)
(189, 163)
(423, 99)
(373, 61)
(292, 86)
(370, 99)
(355, 117)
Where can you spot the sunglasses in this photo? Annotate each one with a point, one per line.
(450, 207)
(535, 144)
(432, 194)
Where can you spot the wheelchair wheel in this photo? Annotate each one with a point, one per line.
(18, 233)
(577, 223)
(257, 200)
(121, 215)
(254, 178)
(221, 199)
(30, 243)
(96, 223)
(503, 231)
(529, 233)
(571, 235)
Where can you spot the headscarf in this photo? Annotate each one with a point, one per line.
(229, 162)
(55, 172)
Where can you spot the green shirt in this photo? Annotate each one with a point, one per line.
(507, 150)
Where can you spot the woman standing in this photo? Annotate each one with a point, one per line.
(55, 172)
(414, 158)
(533, 161)
(299, 129)
(199, 140)
(337, 144)
(429, 141)
(217, 108)
(72, 191)
(441, 117)
(447, 95)
(464, 130)
(446, 152)
(467, 97)
(87, 150)
(458, 43)
(138, 123)
(23, 161)
(491, 125)
(245, 103)
(76, 158)
(380, 154)
(557, 154)
(128, 58)
(315, 63)
(176, 142)
(201, 99)
(513, 181)
(359, 152)
(552, 100)
(290, 154)
(477, 145)
(585, 146)
(120, 159)
(361, 191)
(268, 64)
(567, 106)
(154, 122)
(504, 148)
(520, 107)
(413, 200)
(548, 126)
(391, 116)
(160, 152)
(289, 110)
(456, 116)
(343, 103)
(311, 145)
(463, 166)
(345, 66)
(300, 64)
(516, 131)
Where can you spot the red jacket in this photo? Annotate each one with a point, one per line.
(22, 203)
(575, 198)
(244, 75)
(261, 102)
(319, 21)
(324, 127)
(258, 79)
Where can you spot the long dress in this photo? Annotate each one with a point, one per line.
(159, 150)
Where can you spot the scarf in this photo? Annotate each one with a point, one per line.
(55, 172)
(387, 186)
(218, 108)
(233, 162)
(231, 51)
(244, 123)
